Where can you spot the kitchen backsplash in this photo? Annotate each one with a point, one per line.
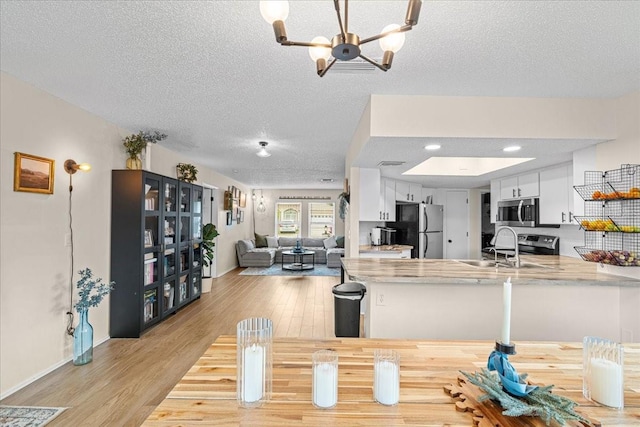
(365, 231)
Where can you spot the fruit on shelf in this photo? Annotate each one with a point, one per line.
(633, 193)
(618, 257)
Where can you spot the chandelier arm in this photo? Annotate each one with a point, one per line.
(336, 3)
(305, 44)
(402, 29)
(328, 66)
(372, 62)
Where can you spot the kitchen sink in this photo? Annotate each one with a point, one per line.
(486, 263)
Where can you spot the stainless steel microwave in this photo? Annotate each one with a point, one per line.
(520, 213)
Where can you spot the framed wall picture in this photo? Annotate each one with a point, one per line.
(229, 218)
(241, 217)
(33, 174)
(243, 200)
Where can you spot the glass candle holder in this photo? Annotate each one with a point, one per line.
(325, 379)
(386, 376)
(254, 375)
(602, 372)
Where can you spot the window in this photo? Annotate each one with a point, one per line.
(321, 219)
(288, 216)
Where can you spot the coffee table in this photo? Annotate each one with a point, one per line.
(298, 260)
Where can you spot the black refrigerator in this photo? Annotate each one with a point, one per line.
(419, 225)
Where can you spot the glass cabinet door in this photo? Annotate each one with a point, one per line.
(151, 194)
(185, 198)
(170, 192)
(150, 305)
(169, 295)
(183, 289)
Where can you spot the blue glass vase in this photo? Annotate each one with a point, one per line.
(83, 340)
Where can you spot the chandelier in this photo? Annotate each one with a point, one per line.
(344, 46)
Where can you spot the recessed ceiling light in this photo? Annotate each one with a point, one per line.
(511, 148)
(327, 179)
(432, 147)
(262, 152)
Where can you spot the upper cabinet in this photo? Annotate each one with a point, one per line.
(556, 195)
(408, 192)
(370, 191)
(387, 200)
(521, 186)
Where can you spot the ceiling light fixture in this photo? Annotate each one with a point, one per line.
(344, 46)
(262, 152)
(432, 147)
(511, 148)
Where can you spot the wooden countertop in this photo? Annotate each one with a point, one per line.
(206, 395)
(559, 270)
(384, 248)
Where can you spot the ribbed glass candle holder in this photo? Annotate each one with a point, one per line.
(325, 379)
(254, 361)
(603, 371)
(386, 376)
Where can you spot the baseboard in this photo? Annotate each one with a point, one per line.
(41, 374)
(227, 271)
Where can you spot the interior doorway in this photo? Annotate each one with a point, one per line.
(210, 199)
(456, 214)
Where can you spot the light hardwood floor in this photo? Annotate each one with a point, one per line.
(128, 378)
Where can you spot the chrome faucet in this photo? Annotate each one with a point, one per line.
(516, 258)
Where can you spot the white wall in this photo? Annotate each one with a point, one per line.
(34, 261)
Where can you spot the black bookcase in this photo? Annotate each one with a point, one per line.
(156, 258)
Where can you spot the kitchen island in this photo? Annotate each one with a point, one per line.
(206, 395)
(554, 298)
(385, 251)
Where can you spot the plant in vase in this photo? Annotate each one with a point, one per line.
(135, 143)
(187, 172)
(209, 233)
(91, 292)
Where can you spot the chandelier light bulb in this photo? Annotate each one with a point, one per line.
(261, 206)
(274, 10)
(253, 196)
(392, 42)
(317, 52)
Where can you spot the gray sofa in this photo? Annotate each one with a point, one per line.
(251, 256)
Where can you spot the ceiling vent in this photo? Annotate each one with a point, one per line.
(391, 163)
(354, 66)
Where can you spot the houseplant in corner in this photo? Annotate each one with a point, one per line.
(135, 143)
(209, 233)
(91, 293)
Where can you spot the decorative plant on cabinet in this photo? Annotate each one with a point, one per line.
(135, 143)
(187, 172)
(91, 292)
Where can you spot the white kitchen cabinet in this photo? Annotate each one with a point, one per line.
(387, 199)
(370, 189)
(520, 186)
(408, 192)
(556, 195)
(495, 196)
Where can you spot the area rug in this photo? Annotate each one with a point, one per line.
(276, 270)
(27, 416)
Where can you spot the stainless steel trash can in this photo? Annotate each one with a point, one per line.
(347, 297)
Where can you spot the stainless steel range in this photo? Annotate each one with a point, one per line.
(535, 244)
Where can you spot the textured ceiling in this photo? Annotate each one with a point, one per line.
(212, 77)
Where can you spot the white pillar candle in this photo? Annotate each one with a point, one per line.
(506, 311)
(253, 373)
(606, 382)
(387, 382)
(325, 385)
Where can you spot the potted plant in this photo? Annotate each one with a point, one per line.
(209, 233)
(135, 143)
(187, 172)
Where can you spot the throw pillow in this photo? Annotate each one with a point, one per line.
(330, 243)
(261, 241)
(272, 241)
(340, 241)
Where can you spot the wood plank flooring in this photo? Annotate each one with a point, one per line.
(128, 378)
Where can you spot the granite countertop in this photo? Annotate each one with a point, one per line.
(559, 270)
(384, 248)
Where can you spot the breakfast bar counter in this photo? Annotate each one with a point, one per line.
(206, 395)
(555, 298)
